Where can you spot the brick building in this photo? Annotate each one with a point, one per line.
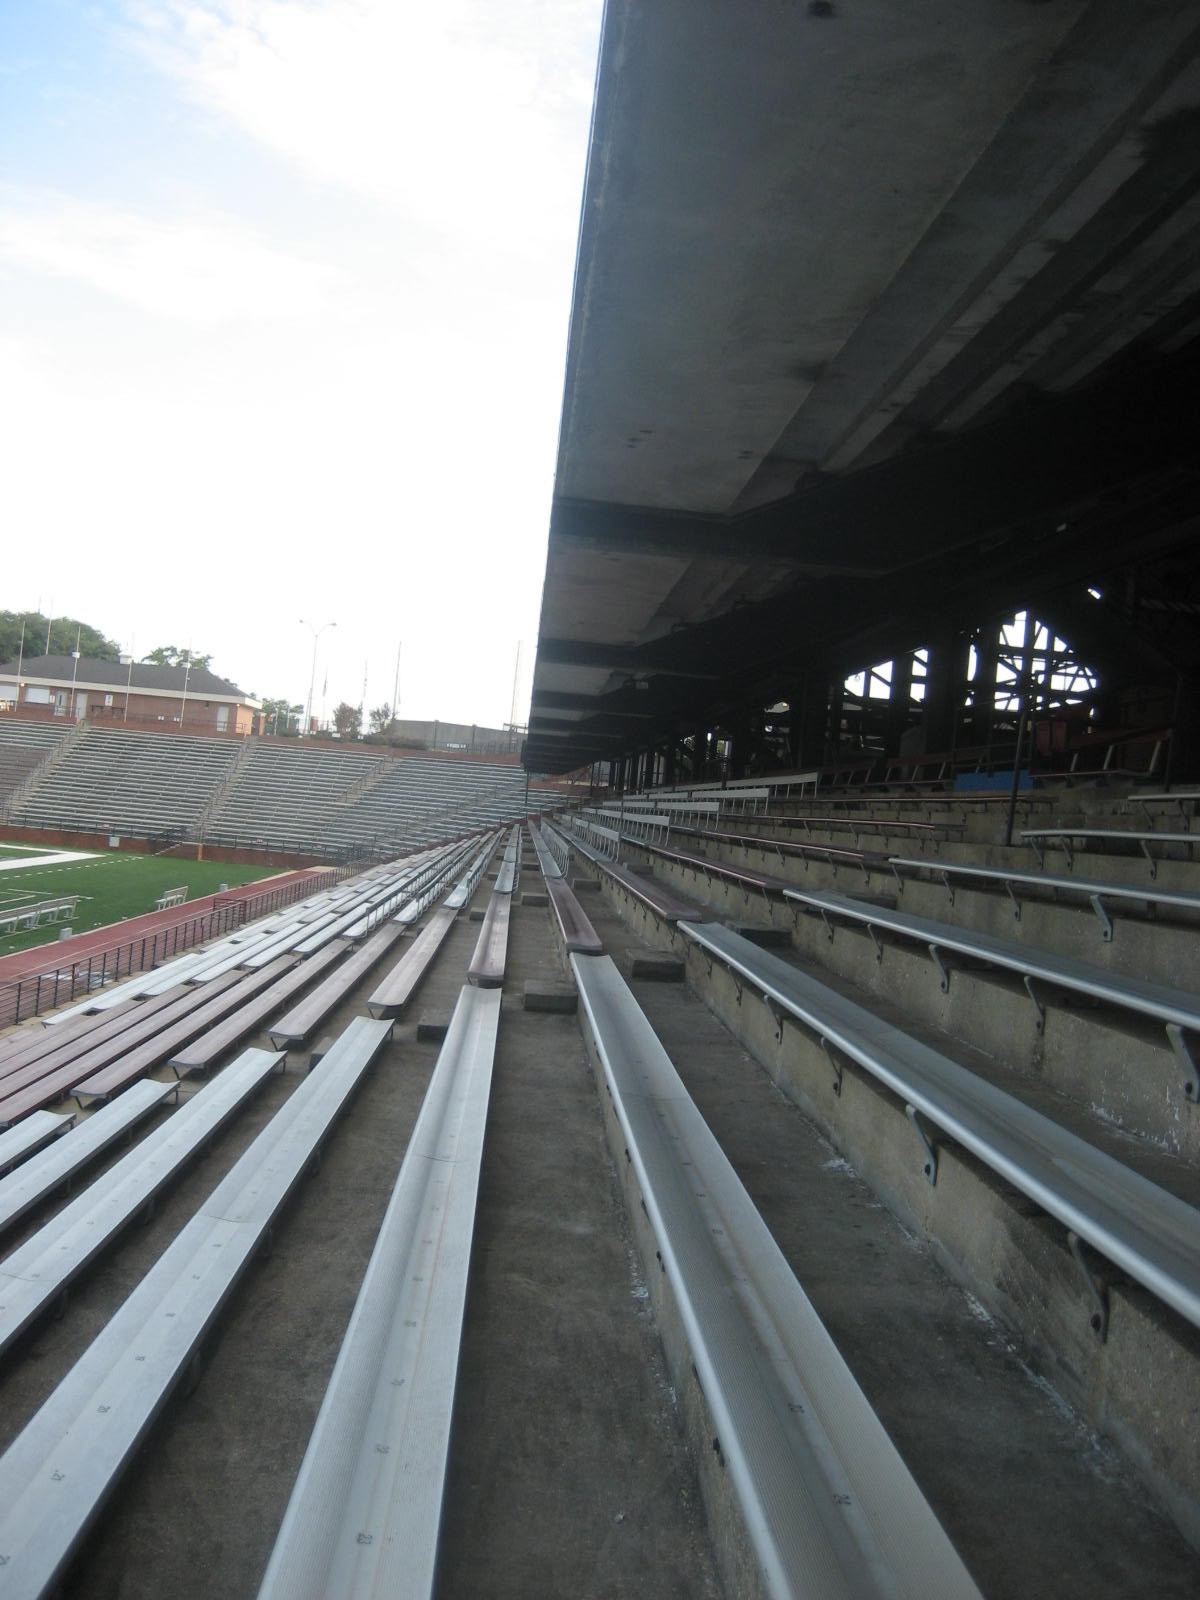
(141, 693)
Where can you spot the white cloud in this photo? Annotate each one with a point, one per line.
(239, 392)
(200, 269)
(465, 114)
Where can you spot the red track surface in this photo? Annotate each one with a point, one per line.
(49, 957)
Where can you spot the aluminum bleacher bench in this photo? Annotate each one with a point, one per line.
(1038, 838)
(204, 1051)
(398, 986)
(53, 1165)
(296, 1025)
(160, 1046)
(1147, 1232)
(827, 1506)
(1174, 797)
(574, 925)
(1096, 893)
(36, 1274)
(365, 1513)
(31, 1135)
(1177, 1009)
(491, 948)
(59, 1471)
(550, 867)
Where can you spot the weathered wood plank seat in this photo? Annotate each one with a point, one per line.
(208, 1048)
(297, 1024)
(491, 948)
(1147, 1232)
(400, 983)
(34, 1275)
(1177, 1009)
(826, 1505)
(365, 1513)
(574, 925)
(39, 1084)
(60, 1470)
(159, 1048)
(31, 1135)
(834, 855)
(1096, 893)
(237, 956)
(662, 902)
(857, 825)
(55, 1047)
(1038, 838)
(38, 1177)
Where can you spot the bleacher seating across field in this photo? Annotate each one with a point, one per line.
(309, 798)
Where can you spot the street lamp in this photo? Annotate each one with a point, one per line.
(312, 677)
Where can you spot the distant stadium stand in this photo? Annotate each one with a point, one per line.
(304, 798)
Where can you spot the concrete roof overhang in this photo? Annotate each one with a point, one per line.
(881, 313)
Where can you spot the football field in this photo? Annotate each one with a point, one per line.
(110, 886)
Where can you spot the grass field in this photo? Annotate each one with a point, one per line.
(112, 886)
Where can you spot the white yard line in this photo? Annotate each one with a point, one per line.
(61, 859)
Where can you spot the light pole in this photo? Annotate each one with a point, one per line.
(312, 677)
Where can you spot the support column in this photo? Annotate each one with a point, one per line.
(945, 689)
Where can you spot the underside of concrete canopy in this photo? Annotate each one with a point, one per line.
(884, 327)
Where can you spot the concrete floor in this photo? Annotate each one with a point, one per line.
(568, 1474)
(1034, 1501)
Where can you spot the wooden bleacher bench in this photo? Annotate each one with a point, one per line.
(366, 1509)
(491, 948)
(1138, 1226)
(296, 1025)
(207, 1049)
(857, 824)
(574, 925)
(158, 1048)
(1096, 893)
(1177, 1009)
(796, 1433)
(59, 1471)
(57, 1073)
(834, 855)
(662, 903)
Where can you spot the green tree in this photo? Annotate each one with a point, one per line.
(347, 719)
(381, 718)
(166, 655)
(63, 633)
(281, 717)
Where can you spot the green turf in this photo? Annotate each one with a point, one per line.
(116, 885)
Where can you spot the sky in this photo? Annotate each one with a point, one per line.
(284, 295)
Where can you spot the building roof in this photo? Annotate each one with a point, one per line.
(146, 675)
